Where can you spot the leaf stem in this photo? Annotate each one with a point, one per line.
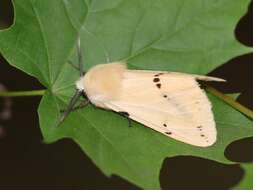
(230, 101)
(23, 93)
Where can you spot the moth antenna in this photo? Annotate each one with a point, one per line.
(70, 106)
(80, 57)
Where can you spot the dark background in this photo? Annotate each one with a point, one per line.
(27, 163)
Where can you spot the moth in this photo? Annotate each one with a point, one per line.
(168, 102)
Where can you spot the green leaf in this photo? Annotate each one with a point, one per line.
(246, 182)
(235, 95)
(176, 35)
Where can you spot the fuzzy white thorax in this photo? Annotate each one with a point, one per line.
(102, 82)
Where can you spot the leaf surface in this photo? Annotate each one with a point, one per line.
(174, 35)
(246, 182)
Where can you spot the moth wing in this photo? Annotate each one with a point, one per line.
(170, 103)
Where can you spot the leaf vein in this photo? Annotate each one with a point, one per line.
(44, 42)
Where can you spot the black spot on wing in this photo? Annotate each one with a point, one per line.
(165, 96)
(156, 79)
(158, 74)
(200, 127)
(164, 125)
(168, 133)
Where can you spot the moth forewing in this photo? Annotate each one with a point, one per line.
(170, 103)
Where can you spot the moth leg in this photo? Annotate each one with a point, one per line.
(80, 106)
(126, 115)
(70, 106)
(73, 65)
